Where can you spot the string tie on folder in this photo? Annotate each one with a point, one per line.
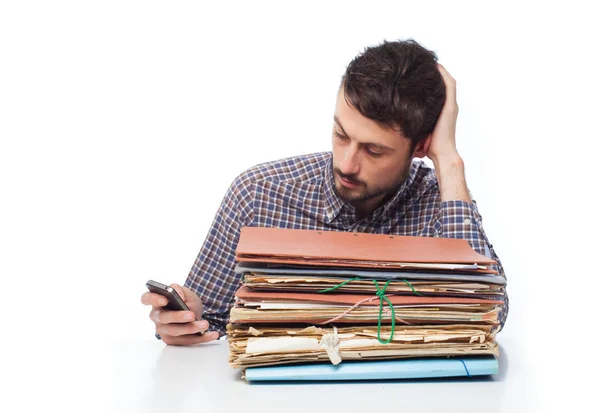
(358, 304)
(330, 343)
(412, 288)
(335, 287)
(363, 301)
(381, 294)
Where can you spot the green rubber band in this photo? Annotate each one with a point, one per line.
(339, 285)
(381, 294)
(412, 288)
(382, 297)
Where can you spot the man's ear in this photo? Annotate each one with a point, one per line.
(422, 148)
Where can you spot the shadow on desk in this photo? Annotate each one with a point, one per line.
(180, 378)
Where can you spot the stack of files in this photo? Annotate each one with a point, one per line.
(315, 298)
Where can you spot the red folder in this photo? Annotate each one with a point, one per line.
(351, 249)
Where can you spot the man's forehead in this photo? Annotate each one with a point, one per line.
(363, 129)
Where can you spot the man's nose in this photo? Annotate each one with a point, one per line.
(350, 164)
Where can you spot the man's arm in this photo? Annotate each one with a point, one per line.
(441, 149)
(212, 276)
(450, 174)
(457, 216)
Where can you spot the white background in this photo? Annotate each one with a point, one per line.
(122, 123)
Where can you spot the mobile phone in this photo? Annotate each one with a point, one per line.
(175, 303)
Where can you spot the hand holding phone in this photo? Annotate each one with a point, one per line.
(174, 300)
(177, 314)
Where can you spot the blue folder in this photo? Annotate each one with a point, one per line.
(378, 370)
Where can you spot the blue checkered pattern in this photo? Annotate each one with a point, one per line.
(298, 193)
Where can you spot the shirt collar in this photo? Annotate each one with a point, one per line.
(334, 205)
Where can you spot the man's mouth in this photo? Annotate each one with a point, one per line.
(348, 184)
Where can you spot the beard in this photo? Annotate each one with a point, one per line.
(364, 193)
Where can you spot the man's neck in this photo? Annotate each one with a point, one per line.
(365, 209)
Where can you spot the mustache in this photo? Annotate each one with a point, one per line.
(349, 178)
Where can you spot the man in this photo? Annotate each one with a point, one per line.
(395, 103)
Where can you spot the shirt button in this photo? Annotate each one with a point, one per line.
(355, 230)
(467, 221)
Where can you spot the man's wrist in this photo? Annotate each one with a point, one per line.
(450, 172)
(448, 160)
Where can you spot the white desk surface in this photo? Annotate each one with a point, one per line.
(152, 377)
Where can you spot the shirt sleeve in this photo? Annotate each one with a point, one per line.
(460, 219)
(212, 276)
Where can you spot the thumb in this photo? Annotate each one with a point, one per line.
(190, 298)
(180, 291)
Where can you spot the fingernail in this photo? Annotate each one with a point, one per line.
(188, 316)
(203, 325)
(162, 302)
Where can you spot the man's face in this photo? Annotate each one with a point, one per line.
(369, 161)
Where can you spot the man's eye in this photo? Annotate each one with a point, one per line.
(339, 135)
(373, 153)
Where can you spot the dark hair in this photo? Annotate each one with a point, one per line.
(398, 85)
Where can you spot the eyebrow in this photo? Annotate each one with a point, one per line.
(377, 145)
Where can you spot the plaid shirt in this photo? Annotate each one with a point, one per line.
(298, 193)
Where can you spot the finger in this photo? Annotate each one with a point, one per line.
(450, 84)
(168, 317)
(153, 299)
(179, 290)
(190, 340)
(189, 293)
(193, 301)
(181, 329)
(190, 298)
(445, 74)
